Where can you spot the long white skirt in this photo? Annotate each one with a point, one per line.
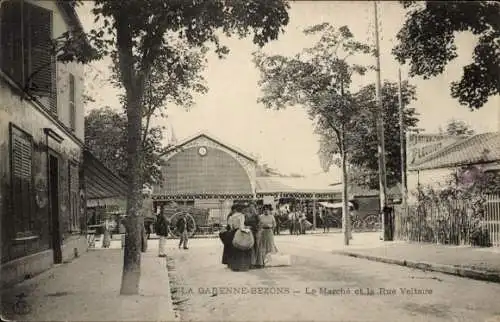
(162, 246)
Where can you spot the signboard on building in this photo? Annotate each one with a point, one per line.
(420, 146)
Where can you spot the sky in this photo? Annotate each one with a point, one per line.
(285, 139)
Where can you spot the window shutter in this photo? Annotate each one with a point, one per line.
(12, 40)
(74, 221)
(39, 54)
(22, 180)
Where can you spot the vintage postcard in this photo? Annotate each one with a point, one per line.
(249, 160)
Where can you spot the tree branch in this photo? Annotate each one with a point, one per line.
(148, 115)
(337, 134)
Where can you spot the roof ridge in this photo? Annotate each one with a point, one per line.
(444, 150)
(482, 139)
(212, 137)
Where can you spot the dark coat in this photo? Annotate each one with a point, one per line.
(182, 224)
(162, 226)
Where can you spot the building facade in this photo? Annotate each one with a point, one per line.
(437, 167)
(42, 193)
(205, 173)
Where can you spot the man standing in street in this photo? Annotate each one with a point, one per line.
(182, 229)
(162, 230)
(277, 218)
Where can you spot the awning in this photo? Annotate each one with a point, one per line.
(100, 182)
(334, 205)
(300, 187)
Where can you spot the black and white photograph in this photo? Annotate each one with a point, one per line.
(249, 160)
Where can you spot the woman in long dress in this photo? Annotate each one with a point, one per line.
(252, 221)
(239, 260)
(225, 236)
(265, 237)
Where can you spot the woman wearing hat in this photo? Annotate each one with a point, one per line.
(265, 236)
(226, 239)
(238, 260)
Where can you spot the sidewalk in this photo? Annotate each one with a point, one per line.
(464, 261)
(87, 289)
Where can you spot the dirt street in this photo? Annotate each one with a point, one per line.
(320, 286)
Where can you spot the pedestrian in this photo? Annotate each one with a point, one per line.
(252, 221)
(162, 230)
(301, 220)
(182, 229)
(328, 220)
(226, 239)
(106, 239)
(265, 237)
(239, 260)
(294, 221)
(277, 219)
(291, 224)
(147, 224)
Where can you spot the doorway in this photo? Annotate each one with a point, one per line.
(54, 207)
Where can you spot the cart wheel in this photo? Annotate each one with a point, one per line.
(335, 223)
(358, 225)
(190, 220)
(373, 223)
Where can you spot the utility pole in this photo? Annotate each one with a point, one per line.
(380, 129)
(402, 137)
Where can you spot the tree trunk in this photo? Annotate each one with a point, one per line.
(133, 239)
(346, 219)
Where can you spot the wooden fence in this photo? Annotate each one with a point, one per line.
(457, 222)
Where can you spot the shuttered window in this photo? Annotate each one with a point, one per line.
(72, 103)
(27, 55)
(22, 180)
(74, 210)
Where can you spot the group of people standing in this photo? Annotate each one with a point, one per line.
(295, 218)
(245, 216)
(162, 229)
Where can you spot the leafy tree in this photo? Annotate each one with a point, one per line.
(105, 134)
(458, 128)
(363, 142)
(136, 35)
(427, 41)
(173, 79)
(319, 79)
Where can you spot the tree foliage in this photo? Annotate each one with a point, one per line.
(363, 143)
(175, 76)
(106, 136)
(138, 34)
(318, 79)
(458, 128)
(454, 211)
(427, 41)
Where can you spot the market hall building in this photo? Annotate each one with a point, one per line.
(203, 172)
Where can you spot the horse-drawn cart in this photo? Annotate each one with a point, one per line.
(196, 218)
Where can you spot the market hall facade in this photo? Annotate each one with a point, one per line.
(203, 172)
